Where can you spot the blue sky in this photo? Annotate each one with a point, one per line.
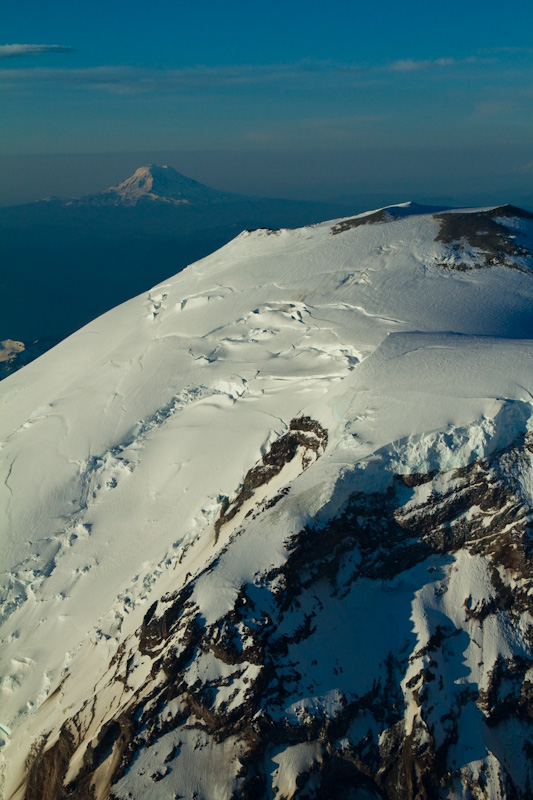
(301, 99)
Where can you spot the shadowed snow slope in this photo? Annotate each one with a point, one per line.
(267, 527)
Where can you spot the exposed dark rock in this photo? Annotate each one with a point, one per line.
(475, 508)
(303, 432)
(48, 769)
(482, 232)
(383, 215)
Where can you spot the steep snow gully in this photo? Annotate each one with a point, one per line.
(268, 527)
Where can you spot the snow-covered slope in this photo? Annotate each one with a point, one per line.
(268, 526)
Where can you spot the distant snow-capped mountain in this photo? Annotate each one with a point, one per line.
(163, 184)
(268, 526)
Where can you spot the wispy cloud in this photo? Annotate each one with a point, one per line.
(140, 80)
(17, 50)
(410, 65)
(122, 79)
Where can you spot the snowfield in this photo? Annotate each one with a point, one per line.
(266, 527)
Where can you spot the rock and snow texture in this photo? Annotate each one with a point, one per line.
(268, 527)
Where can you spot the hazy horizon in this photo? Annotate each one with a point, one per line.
(320, 177)
(352, 103)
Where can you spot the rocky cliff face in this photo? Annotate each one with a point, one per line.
(287, 540)
(321, 680)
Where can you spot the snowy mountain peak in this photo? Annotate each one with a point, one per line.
(267, 527)
(163, 183)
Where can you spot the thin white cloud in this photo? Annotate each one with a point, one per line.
(126, 80)
(139, 80)
(17, 50)
(410, 65)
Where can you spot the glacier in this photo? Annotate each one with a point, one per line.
(268, 526)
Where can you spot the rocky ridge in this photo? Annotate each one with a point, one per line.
(401, 735)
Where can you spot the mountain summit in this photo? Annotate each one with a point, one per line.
(268, 527)
(163, 184)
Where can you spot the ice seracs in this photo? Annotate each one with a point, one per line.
(268, 525)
